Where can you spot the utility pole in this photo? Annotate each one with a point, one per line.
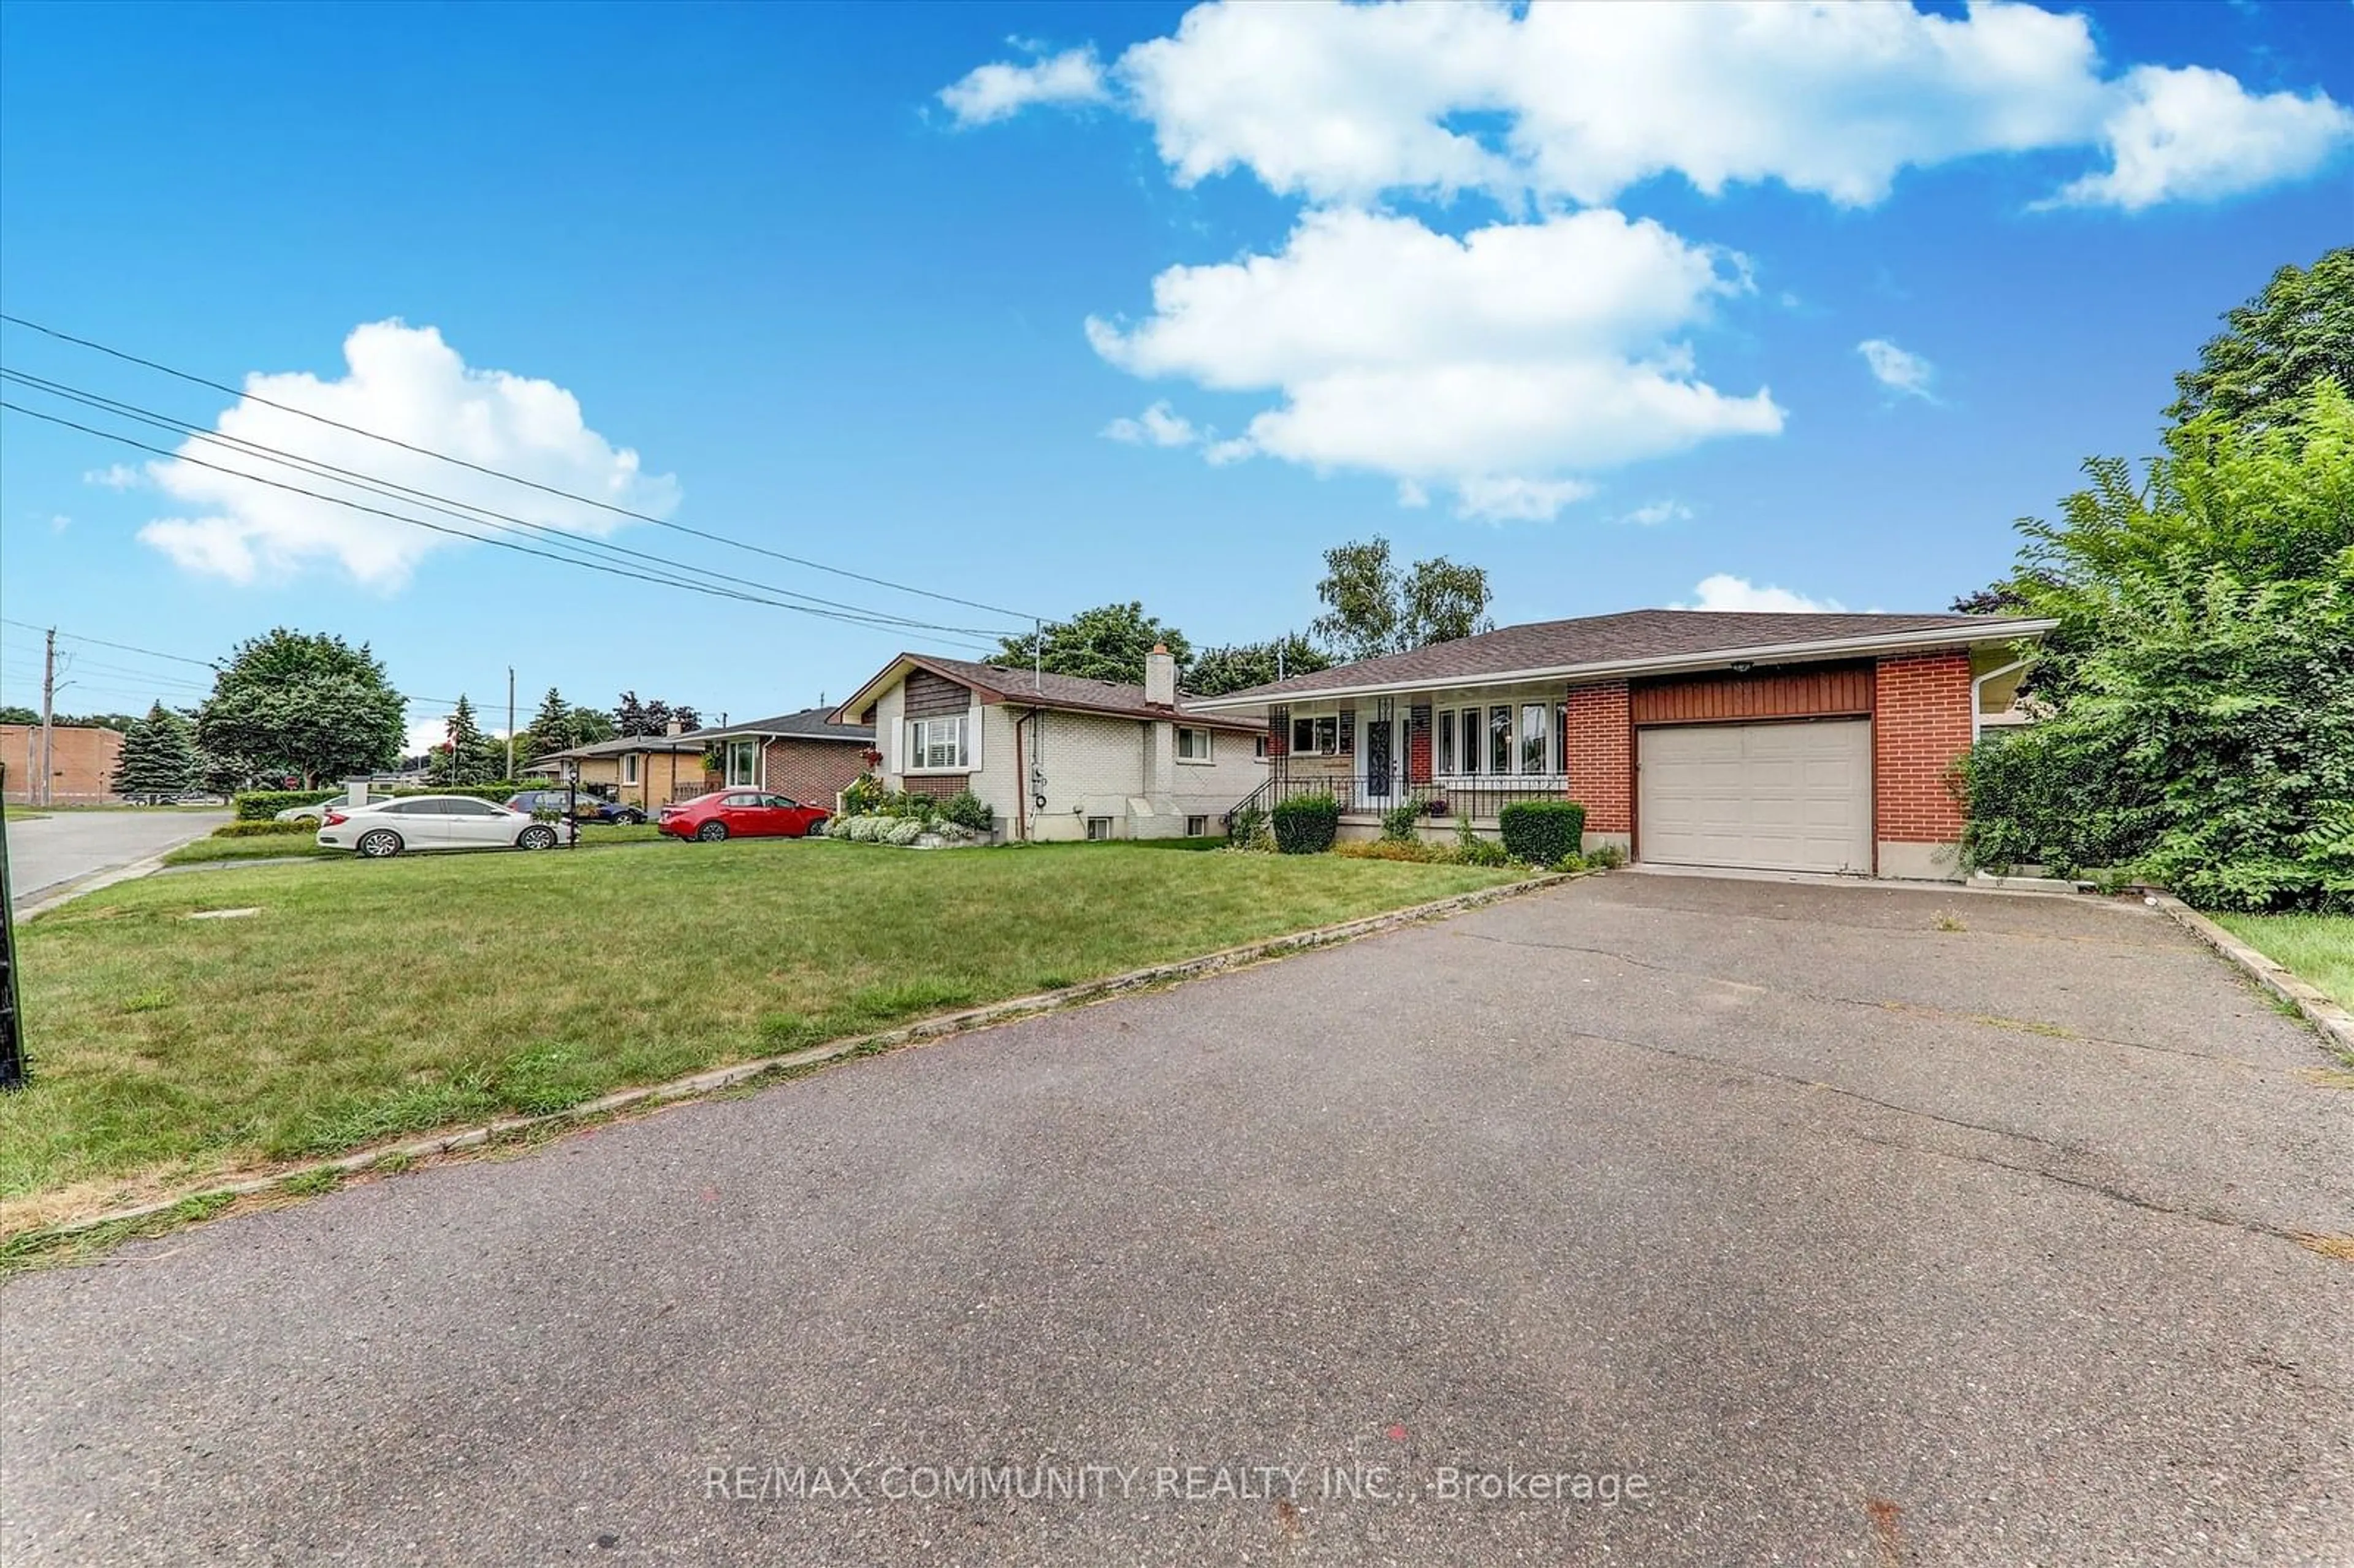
(510, 724)
(49, 711)
(1038, 655)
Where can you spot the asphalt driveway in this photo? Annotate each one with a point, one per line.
(1854, 1237)
(46, 854)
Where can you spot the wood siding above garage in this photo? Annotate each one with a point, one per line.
(1801, 691)
(929, 695)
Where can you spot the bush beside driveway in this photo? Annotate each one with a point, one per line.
(368, 1001)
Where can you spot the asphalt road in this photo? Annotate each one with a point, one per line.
(70, 845)
(1859, 1239)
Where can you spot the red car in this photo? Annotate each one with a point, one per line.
(740, 814)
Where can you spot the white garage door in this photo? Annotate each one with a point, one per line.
(1778, 797)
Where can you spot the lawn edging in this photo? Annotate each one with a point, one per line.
(205, 1201)
(2335, 1024)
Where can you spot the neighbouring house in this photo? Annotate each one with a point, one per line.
(808, 756)
(647, 771)
(82, 759)
(1058, 756)
(1798, 742)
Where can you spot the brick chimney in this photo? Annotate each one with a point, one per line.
(1160, 677)
(674, 728)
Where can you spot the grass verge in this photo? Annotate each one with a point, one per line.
(2319, 948)
(372, 1001)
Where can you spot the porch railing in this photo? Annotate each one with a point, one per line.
(1480, 797)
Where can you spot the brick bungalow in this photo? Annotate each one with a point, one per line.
(1813, 742)
(805, 756)
(646, 771)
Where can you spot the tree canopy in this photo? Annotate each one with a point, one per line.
(301, 703)
(2273, 349)
(466, 756)
(1106, 643)
(1237, 666)
(1375, 609)
(631, 717)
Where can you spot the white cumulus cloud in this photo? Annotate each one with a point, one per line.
(1158, 426)
(1503, 362)
(997, 89)
(2195, 134)
(115, 476)
(1341, 102)
(403, 381)
(1723, 591)
(1899, 370)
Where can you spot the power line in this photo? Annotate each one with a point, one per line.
(464, 511)
(248, 396)
(103, 643)
(713, 591)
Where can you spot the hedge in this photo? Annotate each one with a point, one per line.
(266, 829)
(261, 805)
(1306, 824)
(1542, 832)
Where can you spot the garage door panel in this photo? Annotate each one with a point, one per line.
(1794, 797)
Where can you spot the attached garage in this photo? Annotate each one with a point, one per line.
(1775, 796)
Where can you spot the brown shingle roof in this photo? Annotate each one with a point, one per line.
(805, 723)
(1052, 691)
(1628, 636)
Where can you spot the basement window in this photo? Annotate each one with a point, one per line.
(1099, 829)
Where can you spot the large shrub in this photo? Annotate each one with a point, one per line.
(968, 811)
(1306, 824)
(261, 805)
(1542, 831)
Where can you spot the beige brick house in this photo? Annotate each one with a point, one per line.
(1057, 756)
(647, 771)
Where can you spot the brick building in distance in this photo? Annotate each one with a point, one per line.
(82, 759)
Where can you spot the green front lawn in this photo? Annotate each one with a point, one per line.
(371, 999)
(280, 846)
(2319, 948)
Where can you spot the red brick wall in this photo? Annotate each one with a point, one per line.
(1279, 732)
(82, 761)
(1921, 723)
(1417, 745)
(814, 771)
(939, 786)
(1601, 760)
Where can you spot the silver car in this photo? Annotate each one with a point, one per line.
(384, 827)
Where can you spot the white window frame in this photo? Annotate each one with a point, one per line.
(1323, 735)
(1535, 742)
(628, 768)
(749, 750)
(1207, 739)
(956, 743)
(1097, 837)
(1197, 827)
(1258, 746)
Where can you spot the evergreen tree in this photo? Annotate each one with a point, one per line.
(467, 756)
(159, 757)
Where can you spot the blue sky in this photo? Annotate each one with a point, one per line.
(1579, 297)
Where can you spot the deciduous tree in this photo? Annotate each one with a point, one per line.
(1376, 609)
(304, 703)
(1106, 643)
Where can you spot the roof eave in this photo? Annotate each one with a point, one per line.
(1664, 665)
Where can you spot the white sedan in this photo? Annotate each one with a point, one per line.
(384, 827)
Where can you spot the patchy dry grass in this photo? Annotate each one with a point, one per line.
(373, 1000)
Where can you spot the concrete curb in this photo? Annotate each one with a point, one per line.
(698, 1085)
(2335, 1024)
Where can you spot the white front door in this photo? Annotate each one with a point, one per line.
(1774, 797)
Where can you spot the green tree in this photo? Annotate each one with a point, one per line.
(1241, 665)
(466, 756)
(12, 713)
(304, 703)
(560, 726)
(1376, 609)
(2202, 676)
(159, 755)
(2276, 346)
(1106, 643)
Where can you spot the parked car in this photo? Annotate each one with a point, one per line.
(740, 814)
(590, 808)
(316, 811)
(384, 828)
